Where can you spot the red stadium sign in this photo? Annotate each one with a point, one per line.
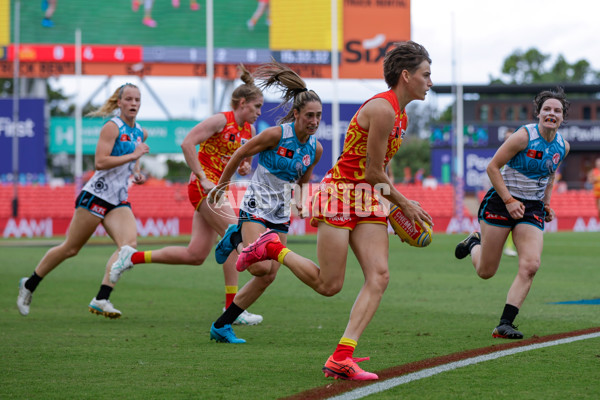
(66, 53)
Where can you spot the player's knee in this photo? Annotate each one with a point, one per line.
(380, 281)
(196, 259)
(267, 279)
(71, 251)
(260, 269)
(486, 270)
(484, 274)
(529, 267)
(331, 289)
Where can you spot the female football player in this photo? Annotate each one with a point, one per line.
(217, 138)
(522, 173)
(103, 199)
(346, 211)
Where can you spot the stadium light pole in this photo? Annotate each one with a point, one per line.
(210, 57)
(78, 116)
(335, 104)
(459, 192)
(15, 140)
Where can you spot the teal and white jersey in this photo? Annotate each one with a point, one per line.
(270, 190)
(111, 185)
(526, 175)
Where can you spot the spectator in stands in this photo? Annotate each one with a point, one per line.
(217, 137)
(103, 199)
(419, 176)
(407, 175)
(522, 174)
(594, 181)
(348, 215)
(288, 154)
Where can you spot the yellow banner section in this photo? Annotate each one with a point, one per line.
(303, 25)
(4, 23)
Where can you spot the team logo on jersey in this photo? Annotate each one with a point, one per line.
(283, 152)
(396, 132)
(306, 160)
(232, 137)
(100, 185)
(124, 137)
(244, 141)
(531, 153)
(556, 158)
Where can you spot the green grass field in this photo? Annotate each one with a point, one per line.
(435, 305)
(113, 22)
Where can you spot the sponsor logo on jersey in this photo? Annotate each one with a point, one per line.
(98, 209)
(124, 137)
(531, 153)
(339, 218)
(489, 215)
(283, 152)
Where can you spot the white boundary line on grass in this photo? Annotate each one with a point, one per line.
(393, 382)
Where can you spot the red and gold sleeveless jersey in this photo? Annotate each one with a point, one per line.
(349, 171)
(214, 153)
(351, 164)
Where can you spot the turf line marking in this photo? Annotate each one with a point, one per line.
(393, 382)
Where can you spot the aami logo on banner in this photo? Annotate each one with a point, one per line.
(30, 131)
(371, 27)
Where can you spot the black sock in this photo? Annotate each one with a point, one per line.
(474, 242)
(509, 314)
(104, 292)
(236, 238)
(230, 315)
(32, 282)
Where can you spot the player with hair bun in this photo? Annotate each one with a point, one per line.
(217, 138)
(288, 154)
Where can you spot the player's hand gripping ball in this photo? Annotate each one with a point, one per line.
(419, 236)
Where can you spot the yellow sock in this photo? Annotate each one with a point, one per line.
(282, 254)
(348, 342)
(230, 292)
(148, 257)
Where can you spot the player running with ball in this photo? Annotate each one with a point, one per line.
(347, 215)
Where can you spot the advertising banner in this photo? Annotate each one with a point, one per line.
(169, 38)
(475, 162)
(30, 131)
(163, 136)
(371, 27)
